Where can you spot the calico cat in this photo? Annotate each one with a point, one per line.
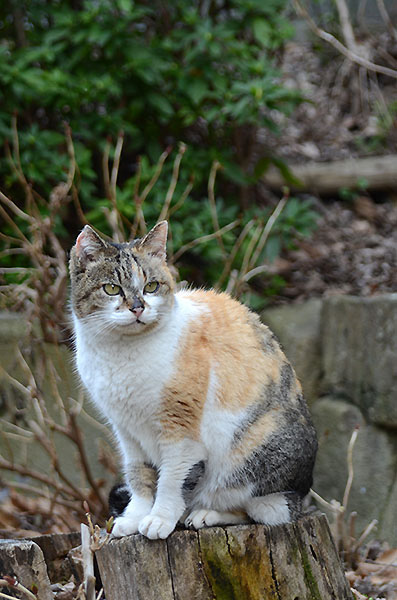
(207, 412)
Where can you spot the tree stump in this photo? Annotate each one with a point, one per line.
(24, 560)
(296, 561)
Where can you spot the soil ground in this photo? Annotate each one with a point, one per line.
(348, 114)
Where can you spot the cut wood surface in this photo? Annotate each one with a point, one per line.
(377, 172)
(24, 560)
(297, 561)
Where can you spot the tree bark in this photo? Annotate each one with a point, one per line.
(296, 561)
(374, 173)
(24, 560)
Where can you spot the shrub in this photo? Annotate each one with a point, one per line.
(141, 76)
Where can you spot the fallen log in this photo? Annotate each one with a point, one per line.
(297, 561)
(372, 172)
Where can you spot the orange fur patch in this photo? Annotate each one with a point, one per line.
(241, 365)
(184, 396)
(227, 338)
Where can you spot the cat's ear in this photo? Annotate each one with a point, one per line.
(155, 242)
(88, 244)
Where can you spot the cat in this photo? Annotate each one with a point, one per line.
(208, 413)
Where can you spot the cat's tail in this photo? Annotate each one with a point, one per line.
(119, 497)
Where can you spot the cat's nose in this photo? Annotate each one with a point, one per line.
(137, 307)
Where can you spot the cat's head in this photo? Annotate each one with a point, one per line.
(125, 287)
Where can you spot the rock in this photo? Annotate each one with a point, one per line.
(373, 462)
(25, 560)
(298, 328)
(359, 340)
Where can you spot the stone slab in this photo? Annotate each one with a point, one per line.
(359, 354)
(297, 327)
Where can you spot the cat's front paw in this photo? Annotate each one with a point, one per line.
(124, 526)
(156, 528)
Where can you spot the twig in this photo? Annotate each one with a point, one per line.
(211, 197)
(229, 262)
(328, 37)
(105, 168)
(43, 493)
(116, 166)
(16, 586)
(16, 270)
(156, 175)
(365, 534)
(386, 18)
(88, 563)
(27, 472)
(51, 451)
(72, 157)
(11, 581)
(18, 167)
(346, 25)
(182, 199)
(203, 239)
(247, 255)
(15, 383)
(269, 226)
(325, 503)
(15, 209)
(139, 199)
(174, 180)
(349, 468)
(78, 208)
(19, 430)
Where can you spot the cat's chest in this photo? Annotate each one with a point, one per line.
(127, 376)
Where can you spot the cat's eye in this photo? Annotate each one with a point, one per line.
(151, 287)
(111, 289)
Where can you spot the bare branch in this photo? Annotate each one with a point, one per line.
(15, 209)
(268, 227)
(116, 166)
(229, 262)
(330, 39)
(346, 25)
(204, 238)
(211, 197)
(16, 586)
(174, 180)
(88, 563)
(387, 19)
(349, 468)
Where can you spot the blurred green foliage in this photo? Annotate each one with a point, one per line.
(202, 72)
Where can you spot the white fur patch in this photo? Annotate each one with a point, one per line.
(125, 375)
(270, 510)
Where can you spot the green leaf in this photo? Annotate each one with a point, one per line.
(197, 91)
(286, 172)
(262, 31)
(262, 166)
